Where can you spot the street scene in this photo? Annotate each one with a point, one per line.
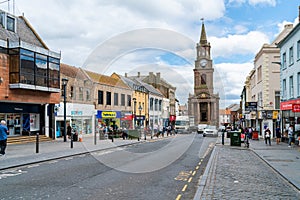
(150, 100)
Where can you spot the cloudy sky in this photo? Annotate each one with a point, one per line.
(130, 36)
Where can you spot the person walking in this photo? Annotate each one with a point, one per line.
(278, 135)
(290, 135)
(3, 137)
(268, 136)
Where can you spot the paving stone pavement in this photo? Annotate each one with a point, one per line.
(241, 173)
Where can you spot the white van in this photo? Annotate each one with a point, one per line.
(201, 128)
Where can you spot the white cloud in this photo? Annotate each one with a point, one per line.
(248, 43)
(257, 2)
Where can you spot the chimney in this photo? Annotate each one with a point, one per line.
(126, 75)
(158, 77)
(139, 74)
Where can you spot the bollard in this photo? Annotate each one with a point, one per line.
(37, 143)
(222, 137)
(72, 140)
(112, 138)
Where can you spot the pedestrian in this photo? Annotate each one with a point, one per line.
(278, 135)
(290, 135)
(268, 136)
(3, 137)
(69, 131)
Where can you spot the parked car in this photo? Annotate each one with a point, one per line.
(201, 128)
(210, 131)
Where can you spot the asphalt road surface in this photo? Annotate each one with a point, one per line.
(168, 168)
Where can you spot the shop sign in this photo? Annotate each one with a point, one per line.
(288, 105)
(251, 106)
(275, 114)
(296, 107)
(76, 113)
(108, 114)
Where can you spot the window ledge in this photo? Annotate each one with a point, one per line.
(33, 87)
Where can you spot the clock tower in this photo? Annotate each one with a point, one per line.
(204, 104)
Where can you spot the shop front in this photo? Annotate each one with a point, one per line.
(22, 119)
(267, 118)
(79, 116)
(111, 119)
(290, 115)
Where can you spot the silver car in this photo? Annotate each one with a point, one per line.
(210, 131)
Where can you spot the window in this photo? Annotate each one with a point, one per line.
(291, 87)
(160, 105)
(260, 99)
(100, 97)
(116, 99)
(298, 84)
(203, 79)
(129, 100)
(108, 98)
(259, 74)
(80, 93)
(284, 61)
(10, 23)
(291, 56)
(72, 92)
(122, 99)
(28, 67)
(151, 103)
(277, 100)
(88, 94)
(41, 69)
(283, 88)
(156, 104)
(298, 50)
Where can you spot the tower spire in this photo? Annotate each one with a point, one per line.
(203, 39)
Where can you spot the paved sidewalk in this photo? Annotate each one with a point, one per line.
(228, 166)
(20, 154)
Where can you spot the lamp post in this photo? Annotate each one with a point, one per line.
(140, 120)
(134, 111)
(64, 84)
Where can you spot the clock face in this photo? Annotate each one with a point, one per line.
(203, 62)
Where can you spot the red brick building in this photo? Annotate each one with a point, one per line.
(29, 78)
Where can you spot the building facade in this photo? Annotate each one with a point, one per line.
(290, 79)
(204, 104)
(29, 78)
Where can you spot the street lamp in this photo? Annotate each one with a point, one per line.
(64, 84)
(140, 120)
(134, 111)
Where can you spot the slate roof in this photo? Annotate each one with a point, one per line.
(72, 71)
(106, 80)
(24, 32)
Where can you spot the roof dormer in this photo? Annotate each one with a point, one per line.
(8, 21)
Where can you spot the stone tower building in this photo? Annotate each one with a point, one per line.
(204, 104)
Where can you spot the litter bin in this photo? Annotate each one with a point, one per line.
(235, 138)
(255, 135)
